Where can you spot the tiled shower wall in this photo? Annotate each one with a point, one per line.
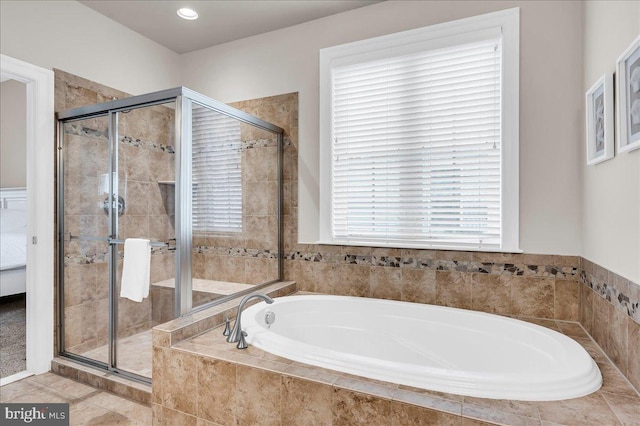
(250, 256)
(145, 157)
(525, 285)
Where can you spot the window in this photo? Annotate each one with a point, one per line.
(216, 171)
(419, 138)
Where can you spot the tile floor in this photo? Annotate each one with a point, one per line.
(87, 405)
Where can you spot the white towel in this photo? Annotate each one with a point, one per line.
(136, 269)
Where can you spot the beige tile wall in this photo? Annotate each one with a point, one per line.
(609, 311)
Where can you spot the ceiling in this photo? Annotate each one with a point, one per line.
(219, 21)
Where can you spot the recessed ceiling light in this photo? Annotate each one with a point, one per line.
(186, 13)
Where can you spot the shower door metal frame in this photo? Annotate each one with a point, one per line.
(184, 99)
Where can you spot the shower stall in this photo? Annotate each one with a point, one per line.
(199, 179)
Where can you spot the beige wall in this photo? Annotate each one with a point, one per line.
(550, 98)
(13, 134)
(69, 36)
(611, 190)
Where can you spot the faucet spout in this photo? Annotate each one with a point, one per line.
(234, 336)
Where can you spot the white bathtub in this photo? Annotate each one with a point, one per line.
(425, 346)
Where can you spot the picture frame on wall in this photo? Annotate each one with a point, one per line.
(600, 137)
(628, 98)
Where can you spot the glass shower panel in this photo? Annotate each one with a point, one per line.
(234, 207)
(85, 163)
(146, 174)
(119, 185)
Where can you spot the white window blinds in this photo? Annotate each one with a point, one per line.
(416, 148)
(216, 171)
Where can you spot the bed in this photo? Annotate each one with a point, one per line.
(13, 241)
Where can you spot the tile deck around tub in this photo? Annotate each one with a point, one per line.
(616, 403)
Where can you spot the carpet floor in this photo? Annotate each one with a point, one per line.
(13, 347)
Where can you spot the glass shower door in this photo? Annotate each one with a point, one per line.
(116, 186)
(85, 261)
(146, 176)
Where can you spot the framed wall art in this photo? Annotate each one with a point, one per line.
(599, 135)
(628, 98)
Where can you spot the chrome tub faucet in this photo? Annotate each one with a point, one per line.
(237, 335)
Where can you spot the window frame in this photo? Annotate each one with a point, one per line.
(509, 22)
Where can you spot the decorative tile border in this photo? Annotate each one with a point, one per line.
(80, 130)
(79, 259)
(139, 143)
(495, 268)
(623, 294)
(236, 252)
(260, 143)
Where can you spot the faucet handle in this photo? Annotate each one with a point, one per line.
(242, 343)
(227, 326)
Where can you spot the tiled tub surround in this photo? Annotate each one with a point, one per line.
(609, 311)
(534, 286)
(207, 381)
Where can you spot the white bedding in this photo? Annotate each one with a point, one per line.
(13, 238)
(13, 253)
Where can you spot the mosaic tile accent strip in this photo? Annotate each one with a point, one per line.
(236, 252)
(139, 143)
(495, 268)
(80, 130)
(259, 143)
(86, 259)
(80, 259)
(623, 294)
